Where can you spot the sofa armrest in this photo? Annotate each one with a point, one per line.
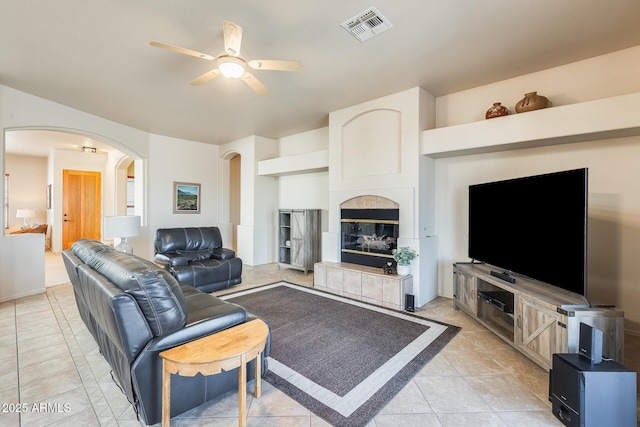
(170, 260)
(223, 253)
(197, 330)
(206, 314)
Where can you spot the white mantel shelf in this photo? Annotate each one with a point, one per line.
(606, 118)
(300, 163)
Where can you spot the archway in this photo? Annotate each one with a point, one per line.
(231, 212)
(63, 149)
(125, 189)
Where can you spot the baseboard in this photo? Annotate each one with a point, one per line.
(15, 297)
(632, 332)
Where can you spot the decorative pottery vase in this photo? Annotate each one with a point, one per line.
(496, 111)
(402, 270)
(532, 101)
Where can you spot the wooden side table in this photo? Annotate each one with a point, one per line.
(228, 349)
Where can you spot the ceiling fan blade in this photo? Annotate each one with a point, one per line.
(209, 75)
(255, 84)
(232, 38)
(271, 64)
(182, 50)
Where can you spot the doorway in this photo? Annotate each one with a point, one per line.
(60, 149)
(81, 196)
(231, 191)
(234, 198)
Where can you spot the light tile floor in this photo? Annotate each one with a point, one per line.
(51, 374)
(54, 271)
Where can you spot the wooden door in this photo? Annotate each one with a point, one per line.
(81, 192)
(537, 332)
(464, 292)
(297, 238)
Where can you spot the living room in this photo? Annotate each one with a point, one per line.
(611, 201)
(609, 154)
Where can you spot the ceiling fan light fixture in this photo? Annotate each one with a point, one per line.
(231, 67)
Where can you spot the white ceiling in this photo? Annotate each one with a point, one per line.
(94, 55)
(40, 143)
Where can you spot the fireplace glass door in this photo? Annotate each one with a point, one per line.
(368, 241)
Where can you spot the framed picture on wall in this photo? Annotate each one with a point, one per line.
(186, 198)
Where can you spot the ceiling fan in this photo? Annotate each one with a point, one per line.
(230, 64)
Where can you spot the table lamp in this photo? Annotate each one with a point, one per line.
(25, 214)
(123, 227)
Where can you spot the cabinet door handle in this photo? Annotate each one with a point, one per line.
(562, 325)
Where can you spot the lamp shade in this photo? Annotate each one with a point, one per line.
(25, 213)
(121, 226)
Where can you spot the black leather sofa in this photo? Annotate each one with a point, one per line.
(135, 309)
(195, 256)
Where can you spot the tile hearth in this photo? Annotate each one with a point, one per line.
(53, 374)
(363, 283)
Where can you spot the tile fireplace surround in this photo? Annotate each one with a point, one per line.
(368, 284)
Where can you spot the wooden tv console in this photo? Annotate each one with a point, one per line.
(537, 319)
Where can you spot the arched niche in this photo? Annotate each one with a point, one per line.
(371, 144)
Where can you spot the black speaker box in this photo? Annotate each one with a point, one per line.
(584, 394)
(409, 303)
(590, 345)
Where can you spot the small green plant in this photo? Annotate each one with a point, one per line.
(404, 255)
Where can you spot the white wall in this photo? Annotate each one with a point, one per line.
(614, 197)
(27, 184)
(401, 187)
(306, 190)
(265, 198)
(163, 161)
(258, 198)
(595, 78)
(408, 179)
(19, 110)
(245, 148)
(304, 142)
(178, 160)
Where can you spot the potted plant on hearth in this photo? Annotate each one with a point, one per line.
(403, 256)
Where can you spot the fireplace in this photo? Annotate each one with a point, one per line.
(368, 235)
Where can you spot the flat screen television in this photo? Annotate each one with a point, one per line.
(534, 226)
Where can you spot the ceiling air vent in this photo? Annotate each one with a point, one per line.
(367, 24)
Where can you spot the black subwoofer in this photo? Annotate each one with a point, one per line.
(410, 303)
(585, 394)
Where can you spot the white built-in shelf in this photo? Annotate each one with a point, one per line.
(606, 118)
(301, 163)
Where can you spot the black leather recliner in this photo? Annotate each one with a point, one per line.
(195, 256)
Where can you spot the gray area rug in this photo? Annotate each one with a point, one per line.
(342, 359)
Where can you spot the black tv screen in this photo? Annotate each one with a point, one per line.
(534, 226)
